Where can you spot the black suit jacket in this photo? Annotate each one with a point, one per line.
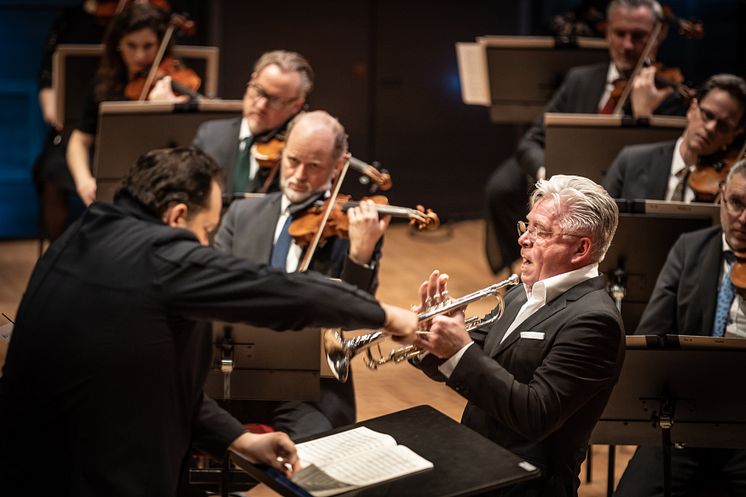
(580, 93)
(685, 295)
(219, 140)
(541, 397)
(247, 231)
(641, 171)
(107, 363)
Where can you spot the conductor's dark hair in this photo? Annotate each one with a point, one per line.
(162, 178)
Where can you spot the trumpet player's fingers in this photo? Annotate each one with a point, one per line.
(447, 336)
(400, 323)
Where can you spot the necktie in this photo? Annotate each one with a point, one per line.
(678, 192)
(610, 104)
(243, 166)
(282, 246)
(725, 299)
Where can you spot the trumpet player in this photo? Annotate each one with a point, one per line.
(540, 378)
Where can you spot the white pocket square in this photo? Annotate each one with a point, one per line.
(533, 335)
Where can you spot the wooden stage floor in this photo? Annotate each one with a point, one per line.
(409, 257)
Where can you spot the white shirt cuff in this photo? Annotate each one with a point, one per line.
(447, 367)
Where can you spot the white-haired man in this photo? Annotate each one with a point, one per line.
(545, 370)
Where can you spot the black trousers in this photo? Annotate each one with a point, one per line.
(694, 472)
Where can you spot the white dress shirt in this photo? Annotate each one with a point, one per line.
(736, 325)
(291, 263)
(678, 168)
(611, 75)
(537, 297)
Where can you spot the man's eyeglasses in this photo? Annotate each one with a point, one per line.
(535, 233)
(721, 126)
(273, 102)
(733, 205)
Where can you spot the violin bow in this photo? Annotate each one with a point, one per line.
(306, 262)
(640, 63)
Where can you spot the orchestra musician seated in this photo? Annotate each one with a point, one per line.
(131, 45)
(277, 90)
(672, 170)
(538, 378)
(257, 229)
(695, 295)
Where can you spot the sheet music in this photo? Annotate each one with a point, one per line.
(472, 71)
(353, 459)
(341, 445)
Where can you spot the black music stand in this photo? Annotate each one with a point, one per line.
(127, 130)
(661, 399)
(647, 230)
(587, 144)
(465, 463)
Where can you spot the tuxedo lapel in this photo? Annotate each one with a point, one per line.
(712, 259)
(550, 309)
(498, 330)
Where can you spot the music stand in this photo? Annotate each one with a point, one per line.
(74, 69)
(465, 463)
(661, 399)
(587, 144)
(520, 96)
(252, 363)
(631, 265)
(127, 130)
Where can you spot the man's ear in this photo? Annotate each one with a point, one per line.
(176, 215)
(583, 250)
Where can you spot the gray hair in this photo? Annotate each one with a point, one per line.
(584, 208)
(737, 168)
(654, 7)
(327, 120)
(288, 62)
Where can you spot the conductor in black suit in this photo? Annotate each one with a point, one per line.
(694, 296)
(660, 171)
(539, 377)
(587, 90)
(279, 85)
(315, 150)
(106, 367)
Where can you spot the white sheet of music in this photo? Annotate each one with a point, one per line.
(352, 459)
(472, 72)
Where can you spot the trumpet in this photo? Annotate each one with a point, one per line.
(340, 351)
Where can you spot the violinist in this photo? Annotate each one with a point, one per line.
(588, 90)
(277, 90)
(255, 229)
(662, 171)
(694, 295)
(130, 47)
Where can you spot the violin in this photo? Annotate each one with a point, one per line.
(184, 80)
(306, 225)
(710, 172)
(665, 77)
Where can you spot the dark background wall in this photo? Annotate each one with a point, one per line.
(386, 69)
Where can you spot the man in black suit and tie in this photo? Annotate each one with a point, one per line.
(694, 296)
(587, 90)
(278, 88)
(545, 370)
(660, 170)
(254, 229)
